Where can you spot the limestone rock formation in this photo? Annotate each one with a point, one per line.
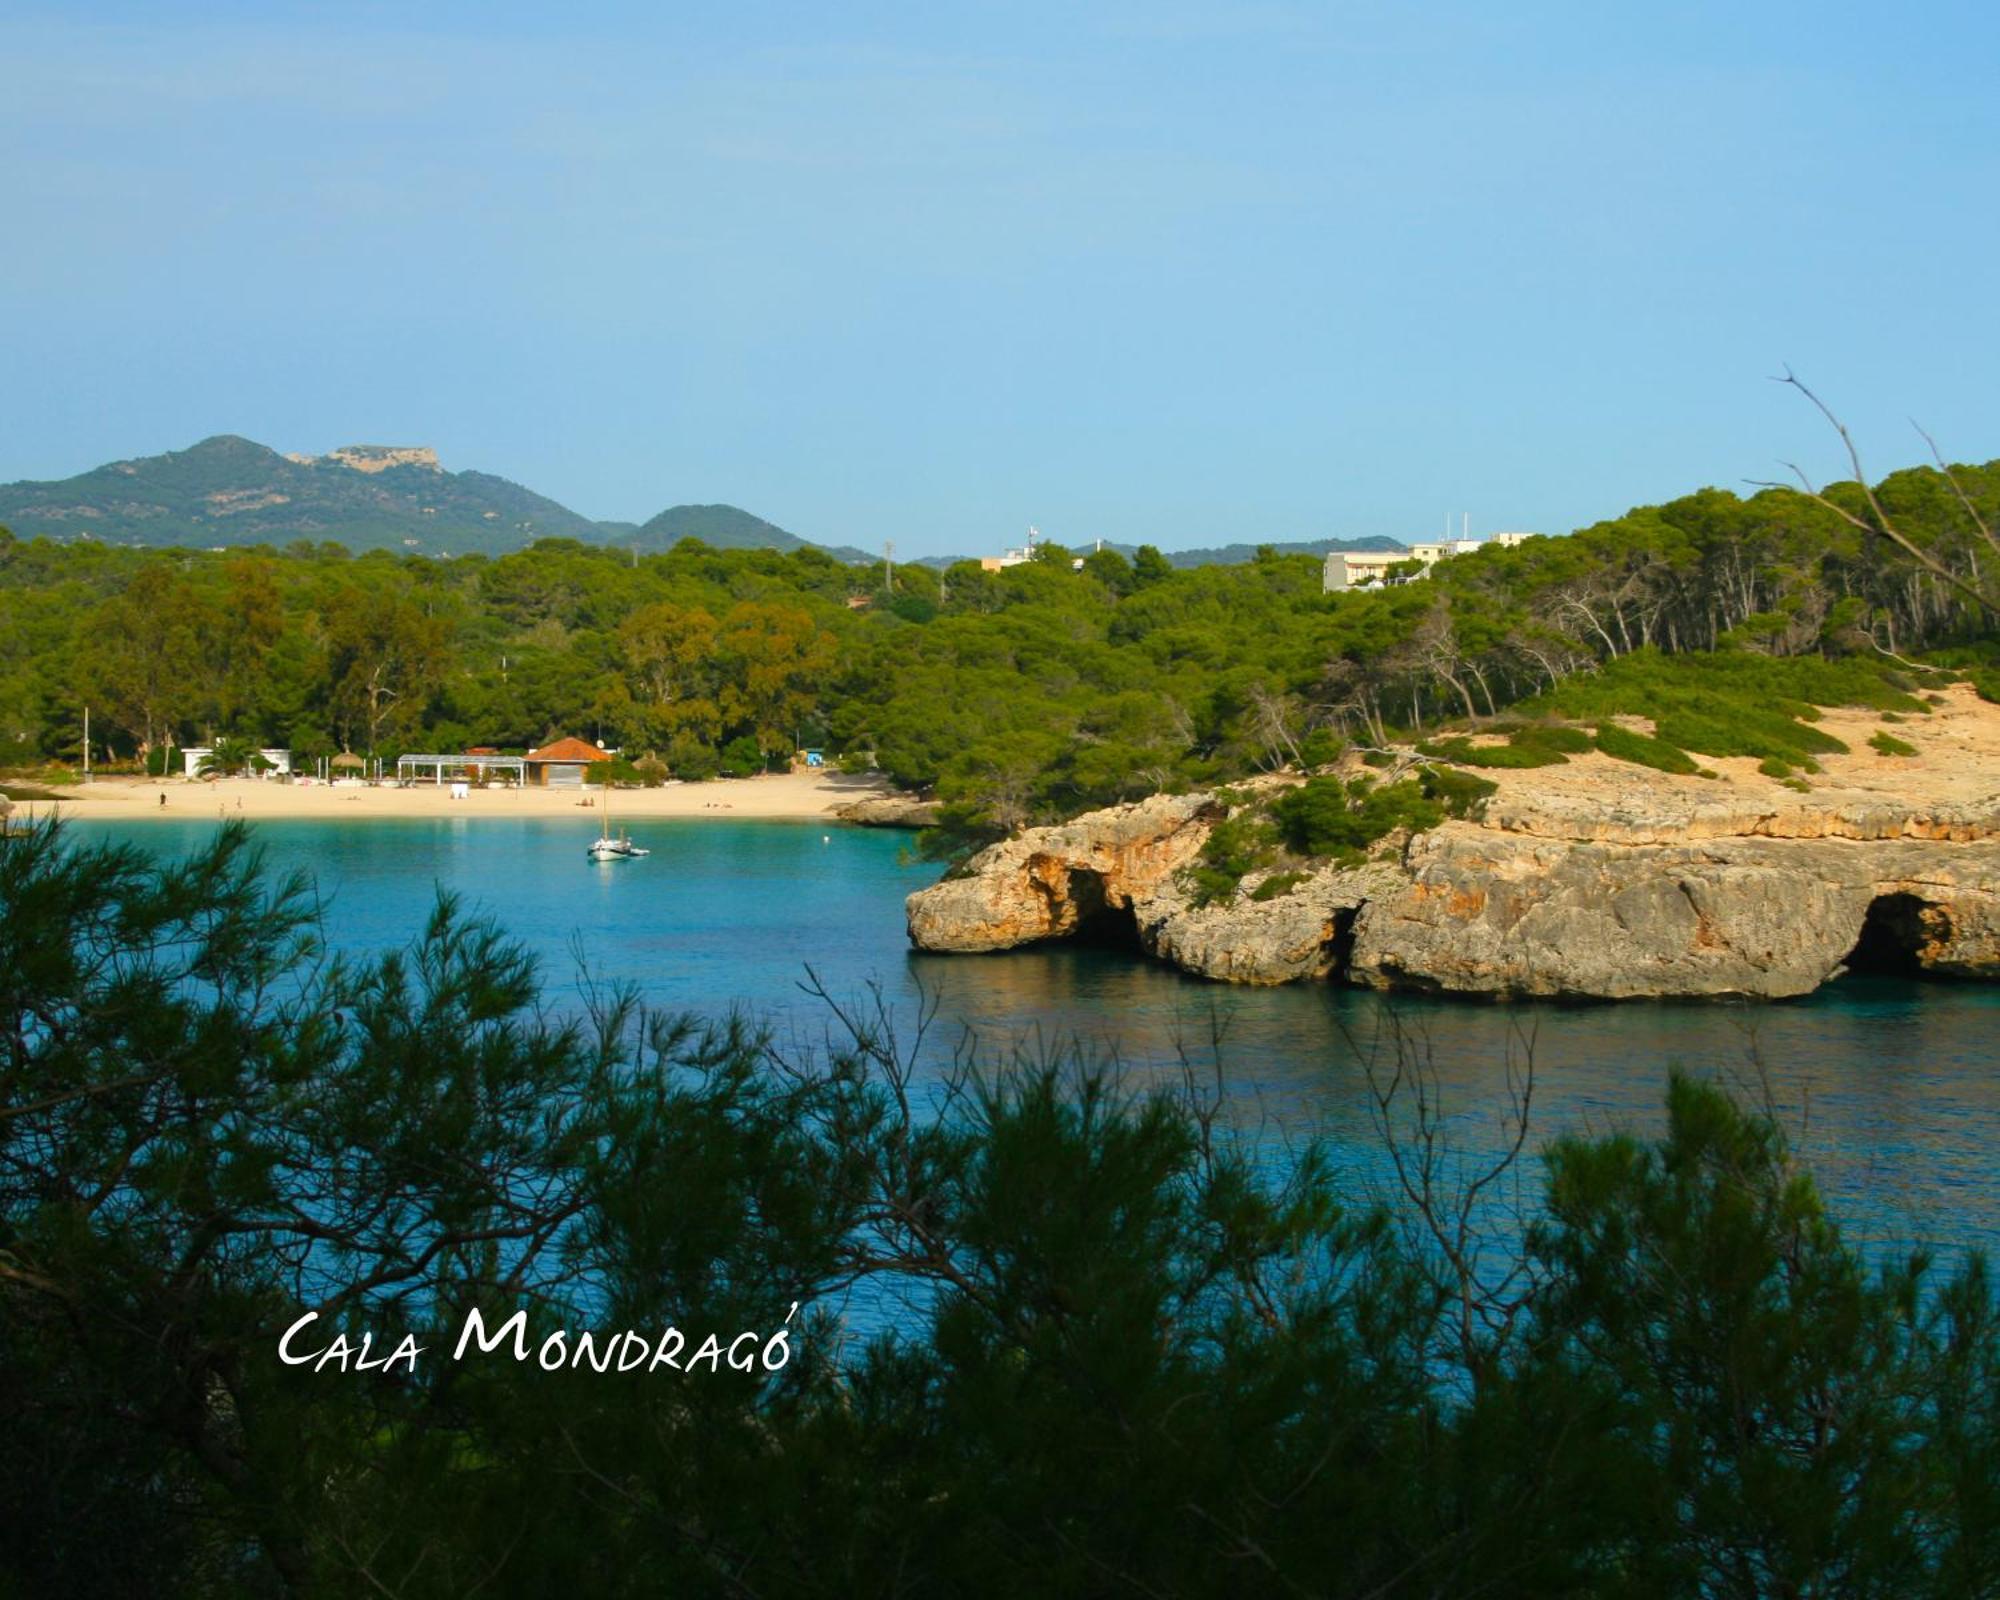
(890, 811)
(1053, 882)
(1486, 913)
(1592, 879)
(1305, 933)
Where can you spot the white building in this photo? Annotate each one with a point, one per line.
(193, 755)
(1347, 570)
(1014, 558)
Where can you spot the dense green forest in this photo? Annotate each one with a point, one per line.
(1018, 695)
(1117, 1352)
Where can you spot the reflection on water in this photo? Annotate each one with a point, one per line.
(1892, 1088)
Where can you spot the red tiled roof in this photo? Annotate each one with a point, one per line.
(569, 750)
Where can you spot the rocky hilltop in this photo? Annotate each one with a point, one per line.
(1593, 879)
(229, 491)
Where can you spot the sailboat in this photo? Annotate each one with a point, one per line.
(607, 848)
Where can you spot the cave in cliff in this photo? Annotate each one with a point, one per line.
(1892, 937)
(1098, 920)
(1340, 947)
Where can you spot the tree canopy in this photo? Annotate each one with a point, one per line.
(1103, 1345)
(1020, 695)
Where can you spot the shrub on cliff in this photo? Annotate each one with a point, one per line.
(1624, 745)
(1329, 817)
(1513, 754)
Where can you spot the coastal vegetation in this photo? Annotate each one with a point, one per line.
(1112, 1347)
(1709, 626)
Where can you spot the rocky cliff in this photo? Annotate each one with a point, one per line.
(1594, 879)
(890, 811)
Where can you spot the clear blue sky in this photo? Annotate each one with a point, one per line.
(932, 272)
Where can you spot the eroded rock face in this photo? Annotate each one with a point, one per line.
(1050, 883)
(1306, 933)
(1487, 913)
(890, 811)
(1696, 891)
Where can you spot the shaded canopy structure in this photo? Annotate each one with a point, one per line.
(411, 767)
(561, 765)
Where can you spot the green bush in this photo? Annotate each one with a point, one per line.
(1277, 885)
(1326, 817)
(1551, 736)
(1457, 792)
(692, 760)
(1775, 767)
(1889, 745)
(1623, 744)
(1713, 728)
(1731, 702)
(741, 758)
(1237, 845)
(615, 771)
(1465, 753)
(1321, 748)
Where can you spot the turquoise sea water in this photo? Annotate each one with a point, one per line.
(1890, 1088)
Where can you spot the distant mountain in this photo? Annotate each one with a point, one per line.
(233, 491)
(726, 528)
(1235, 555)
(230, 491)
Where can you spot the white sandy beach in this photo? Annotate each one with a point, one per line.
(797, 795)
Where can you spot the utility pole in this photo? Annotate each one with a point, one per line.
(86, 744)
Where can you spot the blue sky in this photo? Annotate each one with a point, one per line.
(933, 272)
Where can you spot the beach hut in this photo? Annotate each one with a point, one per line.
(561, 765)
(348, 765)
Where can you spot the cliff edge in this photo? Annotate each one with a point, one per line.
(1591, 879)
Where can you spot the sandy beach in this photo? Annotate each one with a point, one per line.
(787, 795)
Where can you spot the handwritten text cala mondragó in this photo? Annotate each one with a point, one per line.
(630, 1351)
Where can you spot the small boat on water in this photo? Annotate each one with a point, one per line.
(607, 848)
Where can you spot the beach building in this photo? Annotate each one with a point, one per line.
(193, 755)
(561, 765)
(482, 762)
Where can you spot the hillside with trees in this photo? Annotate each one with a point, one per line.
(229, 491)
(1020, 695)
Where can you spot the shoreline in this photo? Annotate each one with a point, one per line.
(782, 796)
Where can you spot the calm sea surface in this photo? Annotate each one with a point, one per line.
(1891, 1089)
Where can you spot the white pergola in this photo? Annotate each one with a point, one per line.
(409, 769)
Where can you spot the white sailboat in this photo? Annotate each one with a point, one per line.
(607, 848)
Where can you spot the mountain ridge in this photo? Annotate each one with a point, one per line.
(228, 490)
